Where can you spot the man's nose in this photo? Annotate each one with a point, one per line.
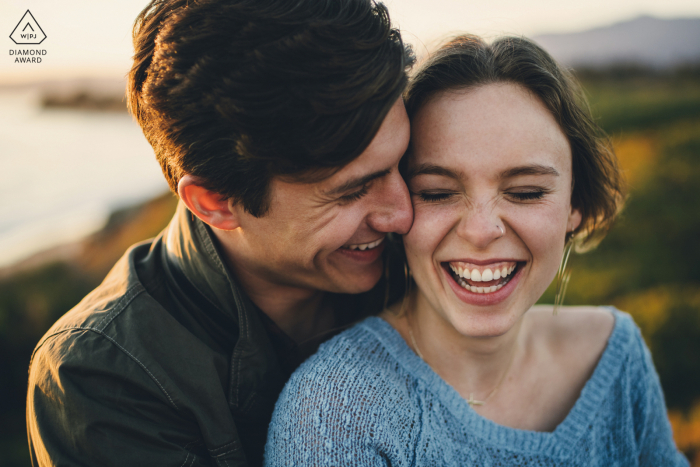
(394, 212)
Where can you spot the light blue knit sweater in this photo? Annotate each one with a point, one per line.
(365, 399)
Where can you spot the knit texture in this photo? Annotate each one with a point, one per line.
(367, 399)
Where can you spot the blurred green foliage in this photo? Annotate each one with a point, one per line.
(631, 99)
(649, 264)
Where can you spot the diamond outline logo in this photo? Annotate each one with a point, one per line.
(29, 21)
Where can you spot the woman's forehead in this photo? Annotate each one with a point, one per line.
(498, 125)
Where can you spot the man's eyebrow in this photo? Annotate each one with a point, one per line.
(431, 169)
(357, 182)
(534, 169)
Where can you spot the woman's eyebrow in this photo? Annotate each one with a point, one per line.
(432, 169)
(534, 169)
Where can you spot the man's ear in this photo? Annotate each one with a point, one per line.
(209, 206)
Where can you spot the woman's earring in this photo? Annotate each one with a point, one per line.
(407, 277)
(563, 277)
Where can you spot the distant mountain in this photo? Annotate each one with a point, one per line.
(646, 41)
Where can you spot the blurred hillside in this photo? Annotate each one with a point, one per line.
(648, 265)
(647, 41)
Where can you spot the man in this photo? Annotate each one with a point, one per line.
(280, 125)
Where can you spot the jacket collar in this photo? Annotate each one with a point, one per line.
(254, 371)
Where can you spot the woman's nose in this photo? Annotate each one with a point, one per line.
(481, 227)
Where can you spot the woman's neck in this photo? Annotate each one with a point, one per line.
(474, 366)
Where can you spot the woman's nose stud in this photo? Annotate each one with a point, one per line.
(500, 229)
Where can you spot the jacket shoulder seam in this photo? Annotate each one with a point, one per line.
(120, 306)
(116, 309)
(120, 347)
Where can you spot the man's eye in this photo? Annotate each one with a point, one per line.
(527, 195)
(356, 195)
(434, 197)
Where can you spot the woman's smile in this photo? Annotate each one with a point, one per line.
(481, 286)
(481, 280)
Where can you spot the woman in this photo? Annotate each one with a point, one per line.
(506, 172)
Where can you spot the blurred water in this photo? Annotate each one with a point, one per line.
(64, 171)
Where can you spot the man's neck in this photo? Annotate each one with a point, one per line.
(301, 313)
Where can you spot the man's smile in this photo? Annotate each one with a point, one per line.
(364, 246)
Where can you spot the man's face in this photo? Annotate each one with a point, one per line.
(330, 235)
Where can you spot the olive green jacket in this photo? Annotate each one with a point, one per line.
(166, 363)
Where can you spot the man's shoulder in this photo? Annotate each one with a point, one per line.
(120, 318)
(120, 290)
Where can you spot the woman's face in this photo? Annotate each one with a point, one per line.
(490, 180)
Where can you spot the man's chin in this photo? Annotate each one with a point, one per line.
(359, 281)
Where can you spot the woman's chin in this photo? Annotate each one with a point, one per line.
(483, 325)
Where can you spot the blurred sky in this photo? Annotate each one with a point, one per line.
(89, 38)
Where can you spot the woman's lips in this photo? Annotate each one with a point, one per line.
(493, 291)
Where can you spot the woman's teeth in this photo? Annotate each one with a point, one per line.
(471, 288)
(365, 246)
(501, 272)
(488, 274)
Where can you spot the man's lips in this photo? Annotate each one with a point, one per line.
(363, 252)
(365, 246)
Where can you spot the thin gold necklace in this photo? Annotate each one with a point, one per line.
(471, 401)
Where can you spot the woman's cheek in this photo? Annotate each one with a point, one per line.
(431, 224)
(545, 245)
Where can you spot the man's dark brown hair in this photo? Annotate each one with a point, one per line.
(236, 92)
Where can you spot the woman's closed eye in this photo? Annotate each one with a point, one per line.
(533, 194)
(516, 196)
(434, 196)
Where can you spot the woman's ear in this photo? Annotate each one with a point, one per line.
(209, 206)
(574, 220)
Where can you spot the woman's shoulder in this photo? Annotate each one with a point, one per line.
(580, 336)
(367, 337)
(573, 326)
(342, 406)
(585, 326)
(352, 378)
(358, 357)
(577, 338)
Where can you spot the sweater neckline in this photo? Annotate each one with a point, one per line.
(556, 443)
